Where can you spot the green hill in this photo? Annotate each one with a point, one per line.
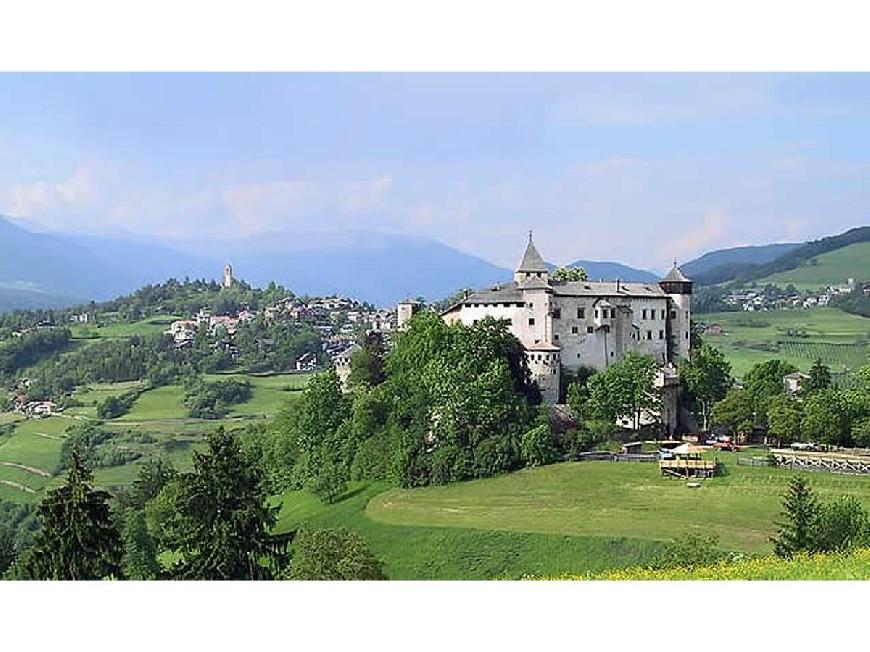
(832, 268)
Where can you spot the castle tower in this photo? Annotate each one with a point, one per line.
(532, 265)
(228, 276)
(679, 288)
(407, 309)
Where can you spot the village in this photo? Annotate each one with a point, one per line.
(772, 297)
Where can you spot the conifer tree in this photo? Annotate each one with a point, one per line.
(800, 511)
(140, 552)
(224, 515)
(78, 539)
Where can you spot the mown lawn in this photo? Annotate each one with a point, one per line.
(439, 553)
(613, 500)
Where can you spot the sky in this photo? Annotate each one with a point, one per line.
(639, 168)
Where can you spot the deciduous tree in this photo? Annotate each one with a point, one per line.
(706, 378)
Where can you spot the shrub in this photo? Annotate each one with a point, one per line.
(333, 554)
(689, 550)
(537, 446)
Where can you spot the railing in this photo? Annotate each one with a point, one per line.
(831, 463)
(618, 457)
(753, 461)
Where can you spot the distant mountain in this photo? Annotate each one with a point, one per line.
(88, 267)
(806, 253)
(610, 271)
(725, 264)
(377, 267)
(16, 298)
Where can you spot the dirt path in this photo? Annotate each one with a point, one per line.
(30, 469)
(18, 485)
(47, 436)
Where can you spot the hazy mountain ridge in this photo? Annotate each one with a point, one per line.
(723, 264)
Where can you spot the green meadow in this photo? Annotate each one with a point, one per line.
(800, 336)
(157, 424)
(574, 517)
(120, 328)
(832, 268)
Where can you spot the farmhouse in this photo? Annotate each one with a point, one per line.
(573, 324)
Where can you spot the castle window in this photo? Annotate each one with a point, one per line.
(606, 329)
(644, 314)
(596, 313)
(649, 335)
(611, 354)
(589, 329)
(673, 314)
(581, 313)
(663, 314)
(661, 335)
(538, 274)
(531, 321)
(573, 330)
(557, 313)
(556, 336)
(687, 336)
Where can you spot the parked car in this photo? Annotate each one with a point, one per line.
(804, 446)
(726, 446)
(666, 454)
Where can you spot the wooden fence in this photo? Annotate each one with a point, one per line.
(824, 462)
(618, 457)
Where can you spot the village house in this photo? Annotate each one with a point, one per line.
(306, 362)
(793, 382)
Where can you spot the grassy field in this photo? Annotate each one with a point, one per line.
(119, 329)
(577, 517)
(157, 424)
(798, 336)
(610, 499)
(412, 552)
(832, 268)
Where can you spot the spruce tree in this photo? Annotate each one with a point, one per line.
(224, 515)
(140, 552)
(800, 511)
(78, 539)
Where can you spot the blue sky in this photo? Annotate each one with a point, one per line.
(640, 168)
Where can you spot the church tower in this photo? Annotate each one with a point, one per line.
(679, 288)
(228, 276)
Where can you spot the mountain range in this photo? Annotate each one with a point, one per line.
(47, 270)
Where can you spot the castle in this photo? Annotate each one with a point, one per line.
(572, 324)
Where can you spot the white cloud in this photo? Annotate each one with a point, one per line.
(259, 206)
(706, 235)
(365, 196)
(54, 200)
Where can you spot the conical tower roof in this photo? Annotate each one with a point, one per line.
(532, 261)
(676, 275)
